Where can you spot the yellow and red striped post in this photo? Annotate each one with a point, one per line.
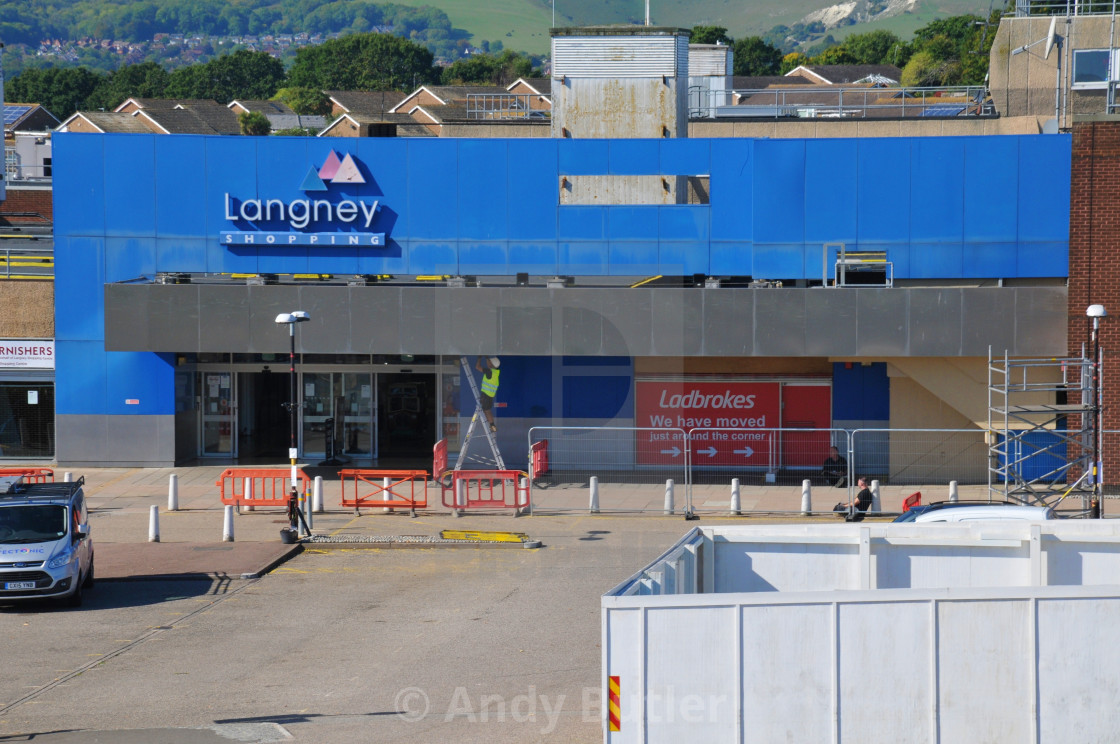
(614, 706)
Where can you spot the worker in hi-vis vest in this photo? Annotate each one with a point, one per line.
(489, 386)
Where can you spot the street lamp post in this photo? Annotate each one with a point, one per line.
(1095, 313)
(290, 320)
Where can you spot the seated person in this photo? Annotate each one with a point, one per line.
(835, 468)
(858, 506)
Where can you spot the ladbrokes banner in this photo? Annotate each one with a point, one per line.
(709, 407)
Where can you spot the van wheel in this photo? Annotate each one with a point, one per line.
(88, 583)
(75, 599)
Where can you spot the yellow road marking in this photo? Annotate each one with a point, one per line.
(513, 537)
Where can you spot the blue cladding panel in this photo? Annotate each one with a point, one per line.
(79, 293)
(1044, 189)
(830, 191)
(79, 373)
(633, 257)
(140, 376)
(990, 259)
(935, 260)
(774, 261)
(860, 393)
(604, 397)
(582, 157)
(681, 259)
(736, 259)
(483, 258)
(779, 202)
(633, 157)
(1043, 259)
(181, 254)
(991, 185)
(884, 191)
(533, 219)
(231, 167)
(683, 248)
(433, 188)
(632, 223)
(732, 190)
(419, 257)
(130, 179)
(483, 211)
(936, 196)
(686, 157)
(583, 223)
(387, 160)
(180, 192)
(533, 258)
(583, 257)
(129, 258)
(78, 183)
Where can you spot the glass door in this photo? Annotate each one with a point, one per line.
(318, 412)
(219, 415)
(357, 399)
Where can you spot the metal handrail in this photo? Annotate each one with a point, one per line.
(26, 263)
(834, 101)
(1027, 8)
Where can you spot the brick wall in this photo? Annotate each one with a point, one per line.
(24, 201)
(1094, 263)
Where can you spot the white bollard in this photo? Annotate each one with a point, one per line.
(522, 497)
(669, 496)
(806, 497)
(153, 524)
(953, 491)
(593, 507)
(227, 524)
(173, 493)
(387, 494)
(249, 493)
(307, 513)
(317, 495)
(876, 506)
(736, 504)
(67, 477)
(460, 497)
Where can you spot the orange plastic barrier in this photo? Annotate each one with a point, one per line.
(485, 489)
(439, 459)
(258, 486)
(538, 458)
(30, 475)
(914, 499)
(372, 488)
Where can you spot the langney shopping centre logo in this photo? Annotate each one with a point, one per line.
(276, 221)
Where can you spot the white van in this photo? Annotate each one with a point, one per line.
(45, 547)
(986, 512)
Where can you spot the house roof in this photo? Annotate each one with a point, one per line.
(846, 74)
(756, 82)
(449, 94)
(365, 102)
(263, 107)
(296, 121)
(110, 121)
(165, 103)
(542, 86)
(406, 125)
(203, 120)
(28, 117)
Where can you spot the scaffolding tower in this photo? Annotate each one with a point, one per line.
(1041, 429)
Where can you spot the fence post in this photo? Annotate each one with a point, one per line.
(460, 497)
(227, 524)
(876, 505)
(247, 494)
(520, 495)
(317, 497)
(67, 477)
(387, 493)
(173, 493)
(307, 512)
(953, 491)
(736, 505)
(593, 507)
(669, 496)
(153, 524)
(806, 497)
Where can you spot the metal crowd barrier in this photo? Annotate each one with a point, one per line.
(29, 475)
(486, 489)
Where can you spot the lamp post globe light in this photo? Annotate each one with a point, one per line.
(1095, 313)
(290, 320)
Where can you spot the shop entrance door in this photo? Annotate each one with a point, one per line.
(338, 410)
(219, 415)
(264, 428)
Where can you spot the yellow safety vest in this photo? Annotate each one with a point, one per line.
(490, 382)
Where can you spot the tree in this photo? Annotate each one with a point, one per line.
(61, 90)
(242, 74)
(710, 35)
(254, 124)
(754, 57)
(144, 80)
(792, 61)
(837, 55)
(926, 70)
(304, 100)
(363, 62)
(488, 69)
(871, 48)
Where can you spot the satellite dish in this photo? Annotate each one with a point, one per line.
(1051, 36)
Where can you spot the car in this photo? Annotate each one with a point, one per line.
(46, 551)
(972, 511)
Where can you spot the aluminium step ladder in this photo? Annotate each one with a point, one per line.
(478, 419)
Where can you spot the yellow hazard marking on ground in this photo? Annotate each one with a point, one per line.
(513, 537)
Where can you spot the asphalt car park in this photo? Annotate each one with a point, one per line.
(338, 644)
